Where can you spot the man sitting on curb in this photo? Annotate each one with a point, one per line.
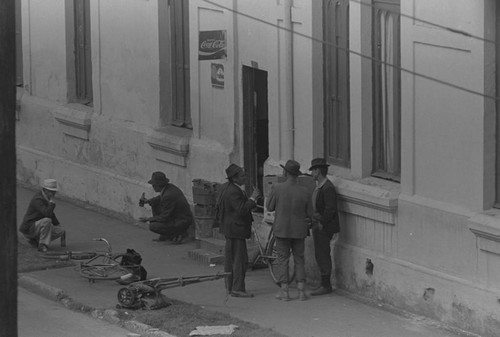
(172, 214)
(40, 225)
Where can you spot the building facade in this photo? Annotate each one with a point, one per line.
(398, 95)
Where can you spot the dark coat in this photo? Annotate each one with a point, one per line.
(171, 207)
(326, 205)
(235, 212)
(38, 208)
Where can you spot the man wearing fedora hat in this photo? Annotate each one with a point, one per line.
(325, 222)
(40, 225)
(172, 214)
(234, 210)
(292, 205)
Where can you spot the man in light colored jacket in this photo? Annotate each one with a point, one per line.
(292, 205)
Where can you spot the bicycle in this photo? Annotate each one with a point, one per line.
(268, 256)
(98, 265)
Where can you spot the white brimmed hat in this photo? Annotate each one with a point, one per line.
(50, 184)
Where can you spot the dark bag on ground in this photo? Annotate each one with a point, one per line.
(133, 260)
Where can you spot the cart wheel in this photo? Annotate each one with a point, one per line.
(127, 297)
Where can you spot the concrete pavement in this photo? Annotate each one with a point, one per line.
(336, 315)
(44, 318)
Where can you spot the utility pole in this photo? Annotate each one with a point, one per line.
(8, 226)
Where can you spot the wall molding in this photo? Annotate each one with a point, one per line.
(75, 119)
(171, 145)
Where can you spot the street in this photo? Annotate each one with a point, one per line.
(40, 317)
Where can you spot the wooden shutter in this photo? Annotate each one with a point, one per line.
(180, 55)
(19, 45)
(386, 90)
(336, 62)
(83, 60)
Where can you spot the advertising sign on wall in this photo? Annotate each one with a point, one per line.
(212, 45)
(217, 75)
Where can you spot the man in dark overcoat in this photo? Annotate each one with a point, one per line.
(172, 214)
(235, 217)
(325, 222)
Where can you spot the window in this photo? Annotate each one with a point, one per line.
(19, 45)
(386, 90)
(174, 63)
(83, 57)
(336, 84)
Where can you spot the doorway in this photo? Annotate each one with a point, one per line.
(255, 127)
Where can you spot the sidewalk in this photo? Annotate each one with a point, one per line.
(336, 315)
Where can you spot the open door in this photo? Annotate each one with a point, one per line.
(255, 127)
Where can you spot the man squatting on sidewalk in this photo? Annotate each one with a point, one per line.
(40, 225)
(234, 210)
(292, 205)
(325, 222)
(172, 214)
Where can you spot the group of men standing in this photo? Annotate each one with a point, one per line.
(296, 212)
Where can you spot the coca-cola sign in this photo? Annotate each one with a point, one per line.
(212, 45)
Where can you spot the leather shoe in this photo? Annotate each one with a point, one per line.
(235, 293)
(42, 248)
(321, 291)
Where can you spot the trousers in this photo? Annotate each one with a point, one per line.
(44, 231)
(283, 248)
(236, 259)
(169, 230)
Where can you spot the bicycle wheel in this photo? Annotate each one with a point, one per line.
(103, 271)
(271, 262)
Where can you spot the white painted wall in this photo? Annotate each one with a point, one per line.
(44, 47)
(129, 61)
(443, 142)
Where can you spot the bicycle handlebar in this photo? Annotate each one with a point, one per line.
(105, 241)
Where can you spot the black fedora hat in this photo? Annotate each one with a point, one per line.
(158, 178)
(233, 170)
(292, 167)
(318, 162)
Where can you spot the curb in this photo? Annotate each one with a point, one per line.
(109, 315)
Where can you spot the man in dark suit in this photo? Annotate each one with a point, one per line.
(40, 224)
(172, 214)
(235, 217)
(325, 222)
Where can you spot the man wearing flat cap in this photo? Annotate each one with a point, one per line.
(292, 205)
(172, 214)
(40, 225)
(234, 210)
(325, 222)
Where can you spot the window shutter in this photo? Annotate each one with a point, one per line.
(83, 65)
(387, 90)
(180, 55)
(337, 109)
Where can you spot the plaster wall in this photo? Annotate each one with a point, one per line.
(213, 110)
(443, 125)
(45, 48)
(128, 61)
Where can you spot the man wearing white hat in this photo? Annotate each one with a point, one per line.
(40, 225)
